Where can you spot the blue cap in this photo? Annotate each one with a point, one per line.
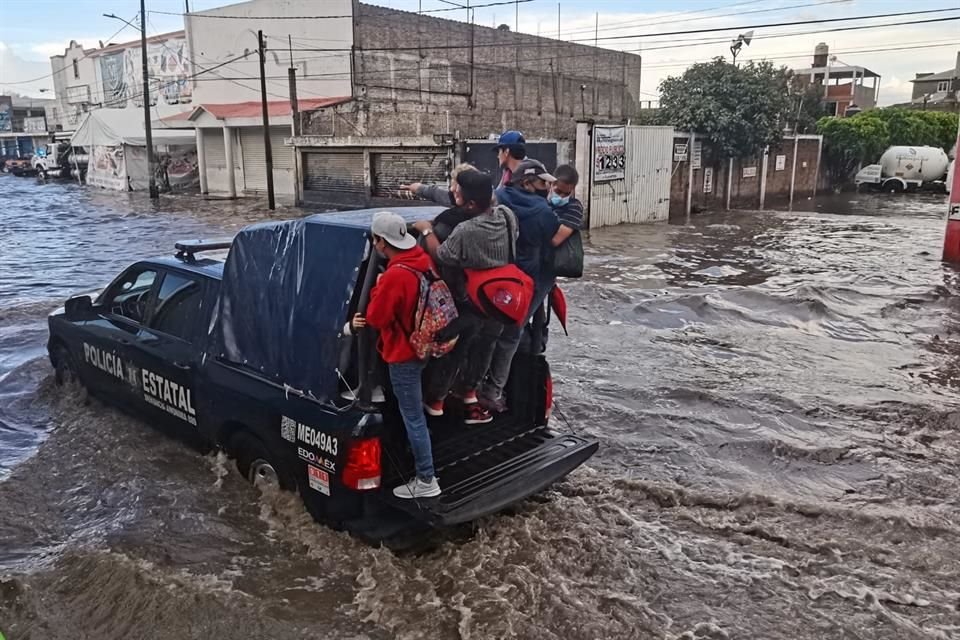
(510, 139)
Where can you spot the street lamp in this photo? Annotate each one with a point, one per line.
(154, 193)
(742, 39)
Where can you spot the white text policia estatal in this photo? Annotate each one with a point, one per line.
(170, 396)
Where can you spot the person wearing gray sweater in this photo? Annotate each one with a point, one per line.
(485, 240)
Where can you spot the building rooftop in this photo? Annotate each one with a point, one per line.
(26, 102)
(838, 71)
(111, 47)
(949, 74)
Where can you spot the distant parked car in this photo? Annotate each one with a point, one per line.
(19, 167)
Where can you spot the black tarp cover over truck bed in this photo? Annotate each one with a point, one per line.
(285, 294)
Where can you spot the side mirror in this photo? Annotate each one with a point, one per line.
(77, 306)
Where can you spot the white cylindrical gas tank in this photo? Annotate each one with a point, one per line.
(914, 163)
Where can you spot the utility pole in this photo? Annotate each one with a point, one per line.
(151, 161)
(292, 79)
(267, 149)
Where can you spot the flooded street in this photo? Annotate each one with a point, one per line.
(775, 395)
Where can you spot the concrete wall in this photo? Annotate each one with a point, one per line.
(68, 88)
(320, 74)
(121, 86)
(745, 189)
(504, 81)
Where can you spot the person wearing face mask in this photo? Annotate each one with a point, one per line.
(562, 198)
(511, 150)
(526, 197)
(484, 240)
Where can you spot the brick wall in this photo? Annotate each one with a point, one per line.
(745, 189)
(432, 81)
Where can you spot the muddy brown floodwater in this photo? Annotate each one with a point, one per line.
(775, 393)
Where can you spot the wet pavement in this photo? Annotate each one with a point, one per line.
(775, 394)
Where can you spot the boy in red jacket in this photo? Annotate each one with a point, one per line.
(392, 307)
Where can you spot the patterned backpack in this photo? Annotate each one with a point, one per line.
(435, 312)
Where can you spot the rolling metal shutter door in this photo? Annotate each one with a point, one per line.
(334, 172)
(390, 170)
(254, 159)
(282, 154)
(213, 148)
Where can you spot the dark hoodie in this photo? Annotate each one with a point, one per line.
(538, 224)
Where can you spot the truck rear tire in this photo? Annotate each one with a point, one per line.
(258, 463)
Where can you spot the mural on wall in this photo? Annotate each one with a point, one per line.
(114, 80)
(107, 168)
(6, 113)
(168, 69)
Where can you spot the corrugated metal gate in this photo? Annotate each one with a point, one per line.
(213, 150)
(254, 159)
(391, 169)
(330, 175)
(643, 194)
(282, 154)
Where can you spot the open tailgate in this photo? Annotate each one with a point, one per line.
(484, 482)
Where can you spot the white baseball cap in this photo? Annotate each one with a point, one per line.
(393, 229)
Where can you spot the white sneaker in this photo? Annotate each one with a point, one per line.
(417, 488)
(376, 396)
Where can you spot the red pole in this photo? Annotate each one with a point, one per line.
(951, 241)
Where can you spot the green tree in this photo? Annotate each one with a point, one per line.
(740, 109)
(862, 139)
(946, 125)
(851, 142)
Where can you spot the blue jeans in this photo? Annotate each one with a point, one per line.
(405, 379)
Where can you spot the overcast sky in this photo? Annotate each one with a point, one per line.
(33, 30)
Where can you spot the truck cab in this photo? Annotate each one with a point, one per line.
(246, 353)
(52, 159)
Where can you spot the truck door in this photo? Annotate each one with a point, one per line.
(122, 309)
(168, 348)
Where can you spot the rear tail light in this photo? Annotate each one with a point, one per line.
(362, 470)
(548, 400)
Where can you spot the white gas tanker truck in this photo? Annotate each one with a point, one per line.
(904, 168)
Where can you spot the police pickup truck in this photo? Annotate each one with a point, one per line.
(247, 354)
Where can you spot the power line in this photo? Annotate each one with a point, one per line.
(340, 17)
(806, 54)
(778, 24)
(782, 24)
(630, 25)
(815, 31)
(922, 44)
(83, 57)
(366, 74)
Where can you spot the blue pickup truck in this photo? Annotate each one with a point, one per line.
(246, 353)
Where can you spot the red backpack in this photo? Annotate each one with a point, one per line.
(435, 311)
(504, 293)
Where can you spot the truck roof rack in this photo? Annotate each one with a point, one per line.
(187, 249)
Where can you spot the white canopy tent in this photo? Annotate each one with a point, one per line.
(116, 142)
